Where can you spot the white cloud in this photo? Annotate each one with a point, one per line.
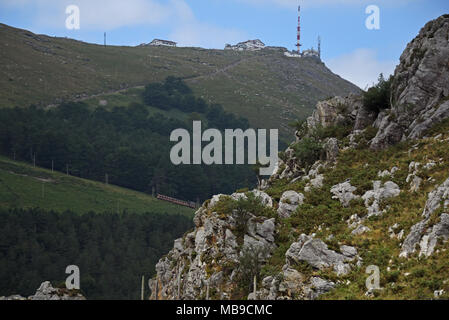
(188, 31)
(175, 15)
(361, 67)
(205, 35)
(100, 14)
(95, 14)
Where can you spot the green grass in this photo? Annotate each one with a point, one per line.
(266, 87)
(24, 186)
(128, 96)
(414, 278)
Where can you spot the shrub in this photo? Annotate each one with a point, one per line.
(377, 98)
(308, 151)
(242, 210)
(300, 126)
(250, 265)
(338, 131)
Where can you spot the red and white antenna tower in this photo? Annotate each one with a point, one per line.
(298, 44)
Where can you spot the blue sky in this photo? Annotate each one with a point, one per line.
(348, 47)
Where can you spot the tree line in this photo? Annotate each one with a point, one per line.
(113, 251)
(130, 145)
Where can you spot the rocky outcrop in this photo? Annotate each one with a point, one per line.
(424, 235)
(344, 192)
(373, 198)
(341, 111)
(290, 200)
(419, 94)
(419, 88)
(209, 256)
(332, 150)
(292, 284)
(316, 253)
(47, 292)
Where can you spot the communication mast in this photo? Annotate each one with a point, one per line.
(298, 44)
(319, 47)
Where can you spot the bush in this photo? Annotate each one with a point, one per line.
(339, 131)
(250, 265)
(242, 209)
(377, 98)
(308, 151)
(300, 126)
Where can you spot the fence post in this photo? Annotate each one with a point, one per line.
(255, 287)
(179, 285)
(157, 288)
(142, 289)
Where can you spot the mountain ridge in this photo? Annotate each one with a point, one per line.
(353, 211)
(264, 86)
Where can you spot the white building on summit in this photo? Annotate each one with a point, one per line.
(250, 45)
(159, 42)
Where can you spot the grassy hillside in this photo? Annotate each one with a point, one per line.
(24, 186)
(414, 278)
(266, 87)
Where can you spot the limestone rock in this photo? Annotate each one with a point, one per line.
(316, 253)
(319, 286)
(290, 200)
(360, 229)
(215, 199)
(200, 256)
(332, 150)
(264, 198)
(47, 292)
(317, 182)
(415, 184)
(429, 240)
(380, 192)
(419, 87)
(348, 251)
(419, 233)
(344, 192)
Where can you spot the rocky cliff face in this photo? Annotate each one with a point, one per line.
(420, 88)
(47, 292)
(344, 198)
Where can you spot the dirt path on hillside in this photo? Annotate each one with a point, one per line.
(187, 79)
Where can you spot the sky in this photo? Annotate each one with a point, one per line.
(349, 48)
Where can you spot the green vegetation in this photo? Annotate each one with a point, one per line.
(414, 278)
(250, 266)
(112, 250)
(308, 150)
(377, 98)
(175, 94)
(339, 131)
(128, 147)
(44, 70)
(243, 207)
(25, 186)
